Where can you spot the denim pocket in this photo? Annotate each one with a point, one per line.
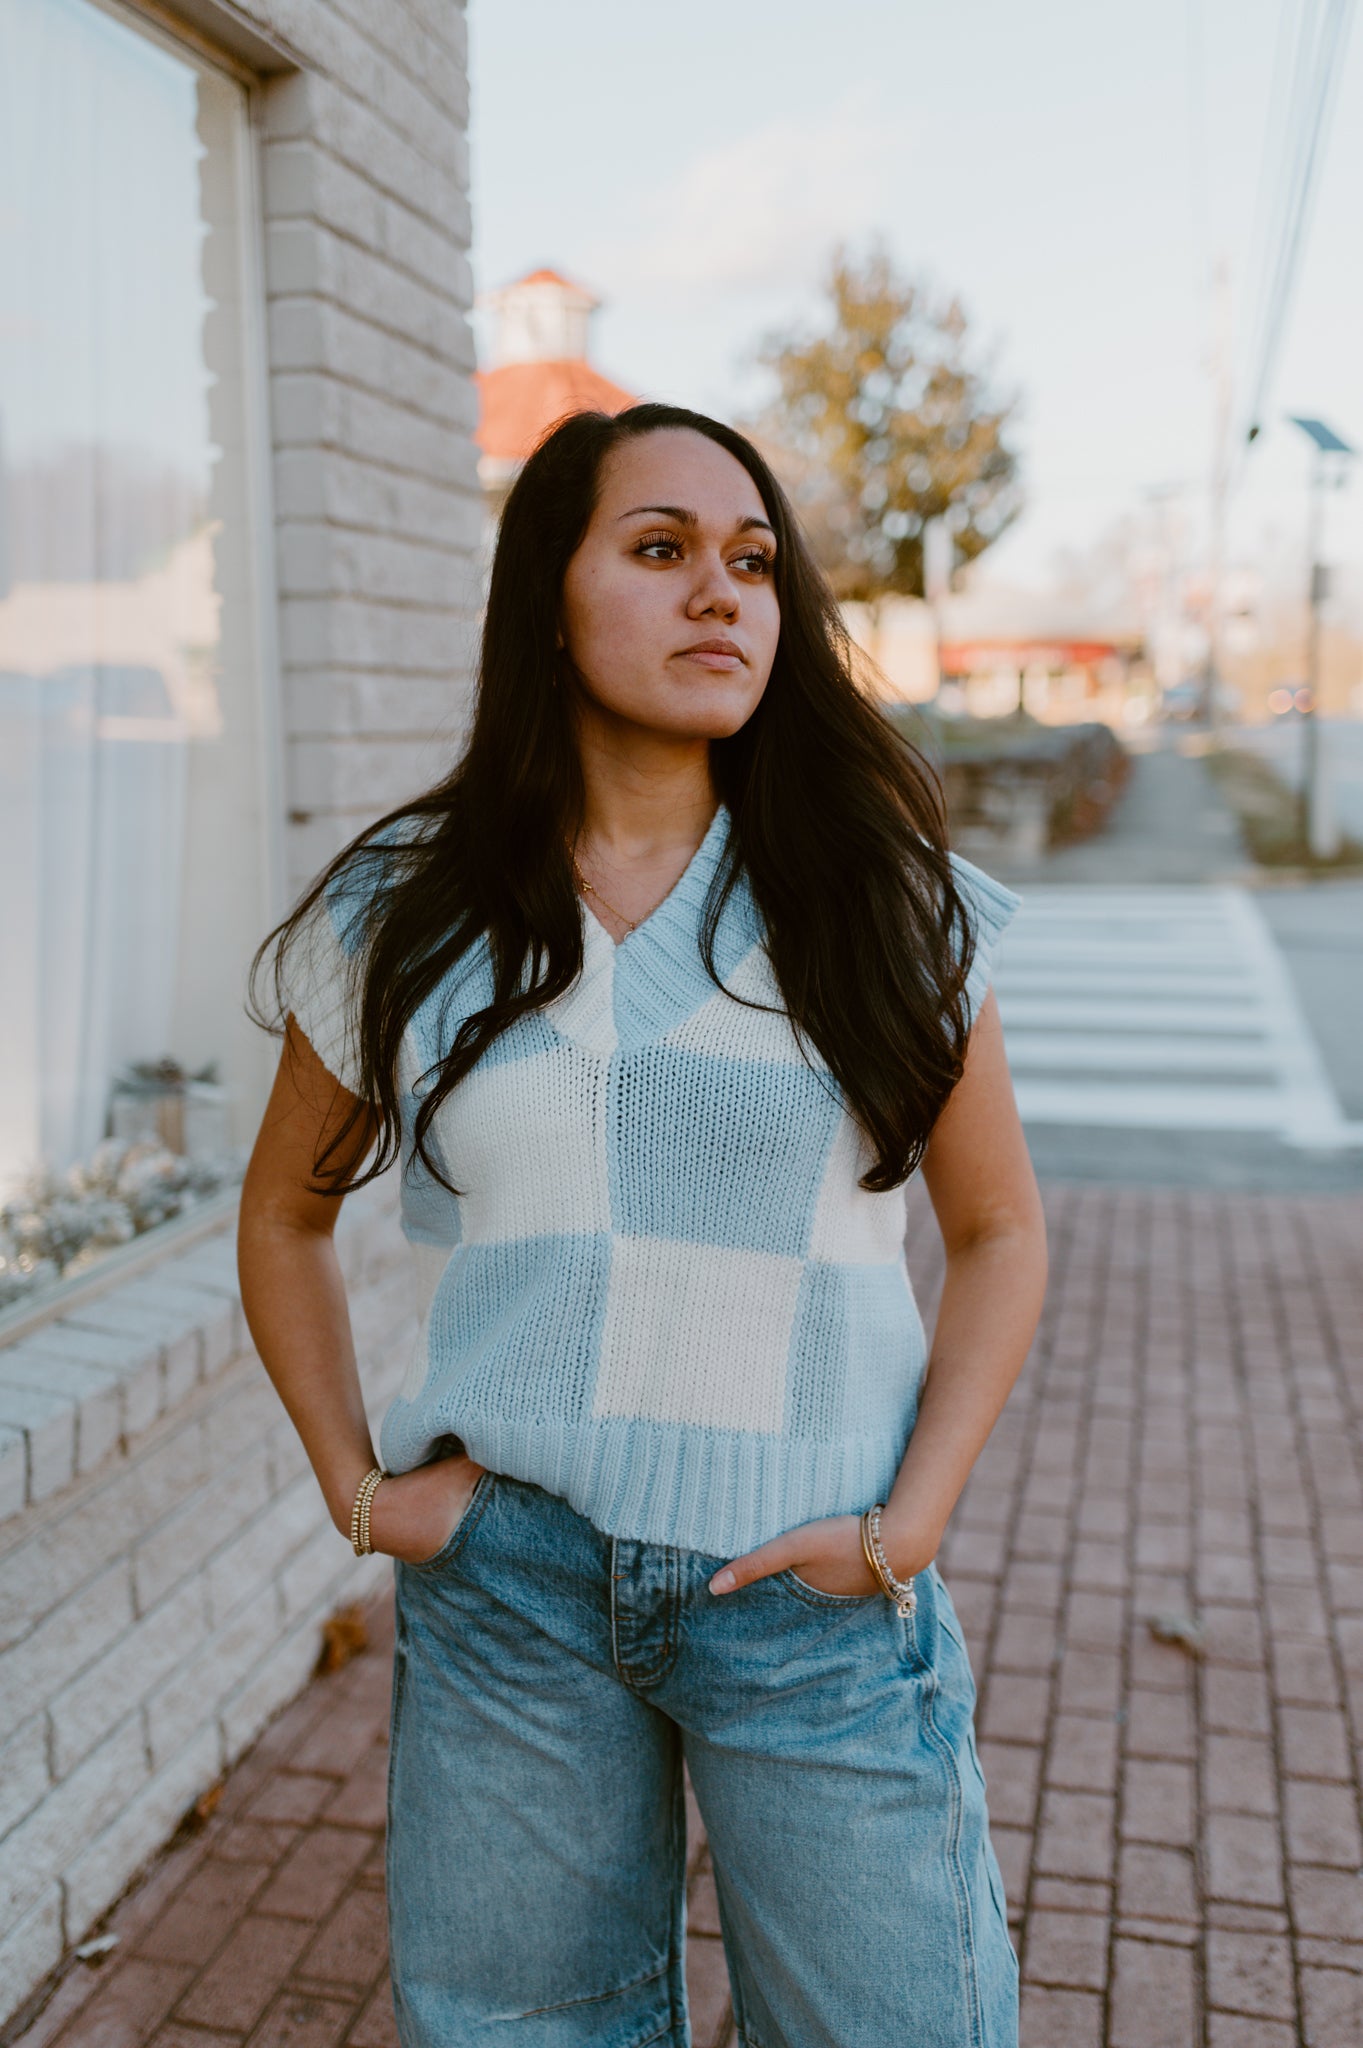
(815, 1596)
(946, 1620)
(463, 1528)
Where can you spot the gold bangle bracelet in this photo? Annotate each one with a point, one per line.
(868, 1553)
(899, 1590)
(359, 1513)
(358, 1503)
(366, 1546)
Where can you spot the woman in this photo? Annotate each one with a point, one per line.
(674, 982)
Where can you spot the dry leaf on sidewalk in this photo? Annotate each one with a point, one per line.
(1183, 1630)
(96, 1950)
(344, 1635)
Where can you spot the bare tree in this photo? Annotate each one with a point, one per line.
(880, 425)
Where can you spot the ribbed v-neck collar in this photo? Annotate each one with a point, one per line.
(654, 978)
(707, 855)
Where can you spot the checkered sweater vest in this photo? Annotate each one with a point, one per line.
(661, 1293)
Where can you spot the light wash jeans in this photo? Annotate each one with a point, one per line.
(548, 1683)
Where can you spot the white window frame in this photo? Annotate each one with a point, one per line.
(159, 25)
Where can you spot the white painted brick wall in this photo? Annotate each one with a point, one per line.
(365, 179)
(160, 1606)
(13, 1470)
(23, 1771)
(166, 1561)
(48, 1425)
(95, 1416)
(32, 1946)
(133, 1363)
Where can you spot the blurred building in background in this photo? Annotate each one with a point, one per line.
(988, 652)
(539, 372)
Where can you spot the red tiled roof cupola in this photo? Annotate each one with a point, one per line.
(539, 369)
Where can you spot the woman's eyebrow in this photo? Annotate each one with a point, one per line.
(677, 512)
(684, 517)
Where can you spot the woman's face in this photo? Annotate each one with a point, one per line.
(669, 611)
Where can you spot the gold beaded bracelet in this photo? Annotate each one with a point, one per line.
(359, 1514)
(899, 1590)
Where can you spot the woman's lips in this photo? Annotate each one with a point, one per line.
(716, 654)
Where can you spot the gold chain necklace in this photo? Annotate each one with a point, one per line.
(630, 922)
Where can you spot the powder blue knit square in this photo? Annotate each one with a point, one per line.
(857, 1314)
(723, 1127)
(478, 1316)
(429, 1216)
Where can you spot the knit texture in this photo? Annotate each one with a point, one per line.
(661, 1292)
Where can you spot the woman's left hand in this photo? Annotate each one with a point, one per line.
(828, 1556)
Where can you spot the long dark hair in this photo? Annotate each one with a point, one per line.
(837, 823)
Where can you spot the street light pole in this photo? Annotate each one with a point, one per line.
(1314, 827)
(1318, 826)
(1220, 494)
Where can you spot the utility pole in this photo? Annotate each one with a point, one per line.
(1316, 830)
(1220, 492)
(1319, 828)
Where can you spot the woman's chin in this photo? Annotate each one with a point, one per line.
(695, 715)
(711, 709)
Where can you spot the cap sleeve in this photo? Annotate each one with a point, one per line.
(991, 908)
(321, 987)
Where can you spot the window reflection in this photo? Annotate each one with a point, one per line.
(131, 826)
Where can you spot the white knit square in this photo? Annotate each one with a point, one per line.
(852, 1227)
(730, 1031)
(696, 1334)
(525, 1143)
(585, 1013)
(321, 995)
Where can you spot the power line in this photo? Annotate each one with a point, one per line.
(1322, 33)
(1316, 74)
(1292, 31)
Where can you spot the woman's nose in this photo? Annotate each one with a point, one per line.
(714, 591)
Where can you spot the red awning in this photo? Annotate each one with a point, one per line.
(963, 657)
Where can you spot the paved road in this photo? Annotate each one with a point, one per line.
(1319, 929)
(1210, 1070)
(1167, 1008)
(1169, 825)
(1179, 1831)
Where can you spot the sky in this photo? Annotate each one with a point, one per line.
(1075, 172)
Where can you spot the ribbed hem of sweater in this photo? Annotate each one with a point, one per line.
(709, 1491)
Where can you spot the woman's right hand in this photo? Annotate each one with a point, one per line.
(414, 1514)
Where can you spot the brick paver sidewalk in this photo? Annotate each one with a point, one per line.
(1178, 1826)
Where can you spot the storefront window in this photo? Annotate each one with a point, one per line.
(133, 814)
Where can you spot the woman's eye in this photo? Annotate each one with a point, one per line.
(660, 547)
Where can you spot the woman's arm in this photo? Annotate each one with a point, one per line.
(985, 1196)
(295, 1303)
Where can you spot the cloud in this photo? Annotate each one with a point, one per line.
(760, 211)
